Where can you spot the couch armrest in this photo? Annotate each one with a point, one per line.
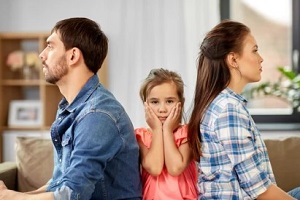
(8, 174)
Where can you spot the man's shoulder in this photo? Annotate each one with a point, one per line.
(98, 102)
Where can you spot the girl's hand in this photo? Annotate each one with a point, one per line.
(173, 119)
(151, 118)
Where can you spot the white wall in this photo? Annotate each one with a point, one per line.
(143, 34)
(41, 15)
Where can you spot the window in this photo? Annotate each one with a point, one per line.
(276, 27)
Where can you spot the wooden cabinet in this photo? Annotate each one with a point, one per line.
(14, 85)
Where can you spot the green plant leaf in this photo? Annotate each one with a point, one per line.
(287, 73)
(286, 88)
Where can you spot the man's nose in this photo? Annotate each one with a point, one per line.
(42, 55)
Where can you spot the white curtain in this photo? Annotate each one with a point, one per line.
(153, 34)
(143, 34)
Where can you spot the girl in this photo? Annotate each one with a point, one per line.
(168, 171)
(234, 161)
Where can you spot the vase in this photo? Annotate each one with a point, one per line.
(29, 72)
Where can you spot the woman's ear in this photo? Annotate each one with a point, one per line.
(231, 60)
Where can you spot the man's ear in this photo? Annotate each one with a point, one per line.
(74, 55)
(231, 60)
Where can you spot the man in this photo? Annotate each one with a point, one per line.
(96, 153)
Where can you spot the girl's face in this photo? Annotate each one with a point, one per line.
(249, 61)
(162, 98)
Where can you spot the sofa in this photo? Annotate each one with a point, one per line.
(33, 166)
(34, 163)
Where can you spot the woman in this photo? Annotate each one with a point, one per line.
(234, 163)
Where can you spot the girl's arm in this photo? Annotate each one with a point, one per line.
(176, 159)
(152, 159)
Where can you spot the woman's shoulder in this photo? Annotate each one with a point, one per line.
(225, 100)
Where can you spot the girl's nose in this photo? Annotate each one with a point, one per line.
(162, 109)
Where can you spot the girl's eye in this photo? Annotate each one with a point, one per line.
(170, 101)
(154, 102)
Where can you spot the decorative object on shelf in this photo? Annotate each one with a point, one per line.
(27, 63)
(25, 113)
(287, 88)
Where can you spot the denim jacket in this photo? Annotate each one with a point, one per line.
(96, 154)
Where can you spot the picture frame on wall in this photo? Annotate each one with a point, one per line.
(25, 113)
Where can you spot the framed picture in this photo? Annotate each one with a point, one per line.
(25, 113)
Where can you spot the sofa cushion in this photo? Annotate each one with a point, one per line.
(285, 160)
(34, 158)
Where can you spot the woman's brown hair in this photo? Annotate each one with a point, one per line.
(213, 74)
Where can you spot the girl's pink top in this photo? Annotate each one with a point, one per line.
(165, 186)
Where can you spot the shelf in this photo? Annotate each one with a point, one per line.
(25, 128)
(23, 35)
(13, 85)
(20, 82)
(24, 82)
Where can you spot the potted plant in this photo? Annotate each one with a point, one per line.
(287, 88)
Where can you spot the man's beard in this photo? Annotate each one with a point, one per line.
(57, 72)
